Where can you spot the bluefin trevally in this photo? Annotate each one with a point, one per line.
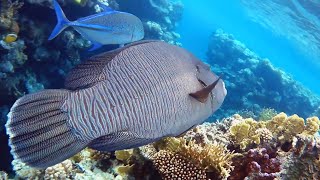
(107, 27)
(116, 100)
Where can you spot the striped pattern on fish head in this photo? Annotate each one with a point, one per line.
(206, 77)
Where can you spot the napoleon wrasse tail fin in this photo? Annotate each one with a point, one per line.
(38, 129)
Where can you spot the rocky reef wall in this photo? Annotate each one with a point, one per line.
(253, 83)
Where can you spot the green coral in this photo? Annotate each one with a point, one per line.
(267, 114)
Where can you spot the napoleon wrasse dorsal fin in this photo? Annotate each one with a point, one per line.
(203, 94)
(90, 72)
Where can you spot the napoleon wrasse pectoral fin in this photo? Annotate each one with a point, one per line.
(202, 95)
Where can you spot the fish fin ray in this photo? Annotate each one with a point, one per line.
(202, 95)
(38, 129)
(95, 46)
(62, 23)
(118, 141)
(90, 72)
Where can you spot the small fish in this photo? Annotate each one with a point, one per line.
(116, 100)
(9, 38)
(107, 27)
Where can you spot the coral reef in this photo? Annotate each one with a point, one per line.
(8, 23)
(159, 23)
(234, 147)
(3, 175)
(59, 171)
(176, 166)
(208, 157)
(256, 164)
(280, 128)
(254, 83)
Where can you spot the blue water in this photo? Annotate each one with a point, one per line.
(202, 19)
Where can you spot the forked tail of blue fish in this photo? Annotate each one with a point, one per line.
(62, 23)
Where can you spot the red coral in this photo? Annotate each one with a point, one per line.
(258, 164)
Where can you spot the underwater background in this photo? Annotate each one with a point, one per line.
(266, 52)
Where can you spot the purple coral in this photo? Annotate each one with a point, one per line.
(258, 164)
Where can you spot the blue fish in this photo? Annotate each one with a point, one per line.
(107, 27)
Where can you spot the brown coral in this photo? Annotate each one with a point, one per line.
(214, 158)
(176, 166)
(7, 14)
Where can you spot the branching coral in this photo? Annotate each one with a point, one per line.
(59, 171)
(214, 158)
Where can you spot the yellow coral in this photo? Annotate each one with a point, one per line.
(124, 155)
(292, 126)
(280, 127)
(312, 126)
(285, 128)
(243, 133)
(275, 125)
(124, 170)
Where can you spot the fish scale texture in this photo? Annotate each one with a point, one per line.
(144, 92)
